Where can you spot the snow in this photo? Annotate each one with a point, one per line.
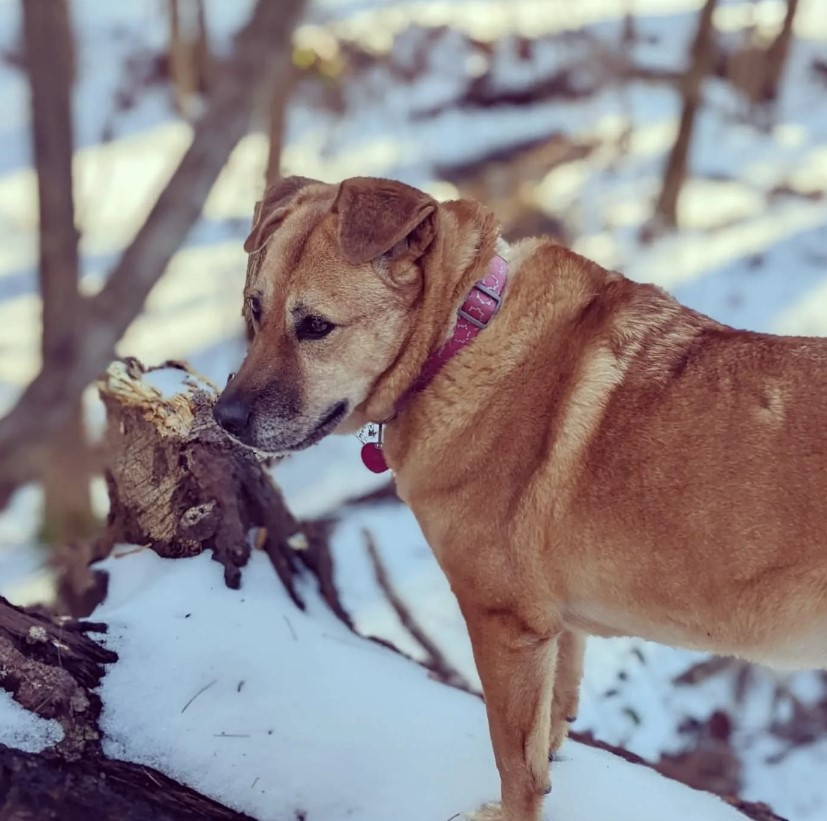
(24, 730)
(274, 712)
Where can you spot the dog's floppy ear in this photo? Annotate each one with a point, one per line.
(272, 209)
(375, 216)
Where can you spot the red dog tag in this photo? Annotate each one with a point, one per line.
(373, 458)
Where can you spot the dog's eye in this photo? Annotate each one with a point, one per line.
(314, 327)
(254, 306)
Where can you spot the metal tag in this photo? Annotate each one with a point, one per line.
(371, 434)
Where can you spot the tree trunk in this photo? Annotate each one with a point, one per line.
(278, 118)
(702, 56)
(777, 53)
(67, 503)
(180, 484)
(189, 54)
(49, 58)
(239, 90)
(629, 33)
(203, 54)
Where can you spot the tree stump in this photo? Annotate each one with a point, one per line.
(179, 484)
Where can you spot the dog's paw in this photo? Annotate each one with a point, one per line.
(490, 812)
(542, 782)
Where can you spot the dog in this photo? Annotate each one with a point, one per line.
(596, 460)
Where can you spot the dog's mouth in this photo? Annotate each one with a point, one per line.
(325, 426)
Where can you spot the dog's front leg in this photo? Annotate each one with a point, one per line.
(516, 667)
(566, 699)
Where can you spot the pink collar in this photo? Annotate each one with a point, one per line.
(475, 314)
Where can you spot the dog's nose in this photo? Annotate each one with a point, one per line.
(232, 413)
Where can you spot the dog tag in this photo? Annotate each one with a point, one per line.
(373, 458)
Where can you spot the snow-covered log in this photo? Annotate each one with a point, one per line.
(52, 765)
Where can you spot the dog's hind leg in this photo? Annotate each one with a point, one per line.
(516, 667)
(566, 699)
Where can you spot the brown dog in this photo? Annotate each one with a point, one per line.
(599, 460)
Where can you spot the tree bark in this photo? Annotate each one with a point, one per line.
(179, 484)
(189, 53)
(702, 56)
(777, 54)
(278, 119)
(52, 668)
(45, 788)
(47, 402)
(50, 62)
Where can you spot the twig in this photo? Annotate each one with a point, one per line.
(129, 552)
(152, 778)
(290, 628)
(704, 670)
(359, 645)
(202, 690)
(436, 662)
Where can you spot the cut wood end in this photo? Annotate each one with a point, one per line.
(171, 413)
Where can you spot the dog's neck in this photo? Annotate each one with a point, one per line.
(467, 240)
(478, 309)
(476, 312)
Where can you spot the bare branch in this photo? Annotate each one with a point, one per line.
(436, 660)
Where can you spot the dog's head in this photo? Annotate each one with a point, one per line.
(334, 288)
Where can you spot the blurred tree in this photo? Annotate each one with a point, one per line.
(756, 68)
(777, 55)
(242, 85)
(629, 34)
(701, 58)
(189, 54)
(50, 64)
(278, 111)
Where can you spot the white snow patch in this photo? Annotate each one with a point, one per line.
(24, 730)
(272, 710)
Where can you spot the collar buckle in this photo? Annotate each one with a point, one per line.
(491, 294)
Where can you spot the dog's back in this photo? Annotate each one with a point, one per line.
(701, 491)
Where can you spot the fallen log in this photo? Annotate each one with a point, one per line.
(52, 667)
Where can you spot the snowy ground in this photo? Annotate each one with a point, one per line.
(753, 253)
(323, 725)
